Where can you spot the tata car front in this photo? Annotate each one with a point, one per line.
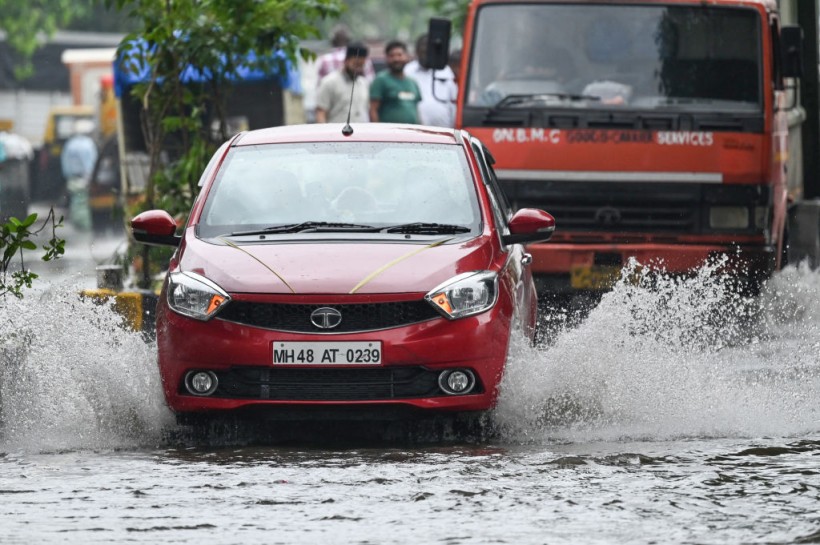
(369, 271)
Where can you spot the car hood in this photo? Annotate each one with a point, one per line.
(334, 267)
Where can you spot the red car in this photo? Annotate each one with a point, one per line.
(381, 270)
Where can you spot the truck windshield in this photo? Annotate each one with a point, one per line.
(626, 56)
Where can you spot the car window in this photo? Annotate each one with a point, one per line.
(370, 183)
(495, 185)
(496, 196)
(64, 125)
(212, 163)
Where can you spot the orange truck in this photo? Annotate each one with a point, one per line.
(651, 129)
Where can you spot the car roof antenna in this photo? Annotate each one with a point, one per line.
(347, 130)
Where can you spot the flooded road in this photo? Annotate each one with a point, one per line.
(677, 414)
(696, 491)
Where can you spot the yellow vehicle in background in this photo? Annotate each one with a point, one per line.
(49, 183)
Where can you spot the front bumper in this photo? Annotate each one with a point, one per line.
(412, 358)
(566, 268)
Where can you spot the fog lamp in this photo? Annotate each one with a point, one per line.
(201, 383)
(457, 382)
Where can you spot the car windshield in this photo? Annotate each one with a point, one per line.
(341, 187)
(638, 56)
(65, 125)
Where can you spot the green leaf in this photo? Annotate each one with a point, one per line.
(14, 241)
(24, 22)
(29, 220)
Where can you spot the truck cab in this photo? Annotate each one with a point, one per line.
(654, 130)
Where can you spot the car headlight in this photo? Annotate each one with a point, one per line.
(466, 294)
(195, 296)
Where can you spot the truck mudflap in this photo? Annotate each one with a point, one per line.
(568, 268)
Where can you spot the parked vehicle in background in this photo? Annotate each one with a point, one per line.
(15, 193)
(380, 272)
(658, 130)
(104, 189)
(49, 182)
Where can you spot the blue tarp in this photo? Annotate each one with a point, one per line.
(134, 53)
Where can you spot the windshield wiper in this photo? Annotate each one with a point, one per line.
(421, 228)
(309, 227)
(416, 228)
(513, 100)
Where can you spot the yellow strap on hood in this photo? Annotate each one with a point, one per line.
(396, 261)
(232, 245)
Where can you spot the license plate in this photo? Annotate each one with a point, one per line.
(327, 353)
(601, 277)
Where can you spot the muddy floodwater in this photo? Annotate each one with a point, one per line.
(678, 413)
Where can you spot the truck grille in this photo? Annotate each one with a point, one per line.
(355, 317)
(614, 216)
(658, 208)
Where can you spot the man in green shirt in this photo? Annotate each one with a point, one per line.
(394, 97)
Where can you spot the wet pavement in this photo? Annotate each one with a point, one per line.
(681, 414)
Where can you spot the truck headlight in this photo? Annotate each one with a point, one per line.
(195, 296)
(729, 217)
(466, 294)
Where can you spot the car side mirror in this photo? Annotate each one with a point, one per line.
(791, 40)
(155, 228)
(530, 225)
(438, 43)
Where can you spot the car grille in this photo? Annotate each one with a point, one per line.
(292, 384)
(355, 317)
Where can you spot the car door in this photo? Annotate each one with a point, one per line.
(517, 271)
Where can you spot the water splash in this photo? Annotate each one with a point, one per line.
(665, 358)
(72, 378)
(659, 358)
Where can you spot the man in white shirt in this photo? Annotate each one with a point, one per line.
(438, 89)
(333, 97)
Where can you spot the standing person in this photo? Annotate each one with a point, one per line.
(335, 59)
(333, 96)
(455, 65)
(394, 97)
(77, 161)
(438, 88)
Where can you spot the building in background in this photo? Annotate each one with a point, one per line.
(25, 104)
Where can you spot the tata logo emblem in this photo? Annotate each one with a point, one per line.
(326, 318)
(607, 216)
